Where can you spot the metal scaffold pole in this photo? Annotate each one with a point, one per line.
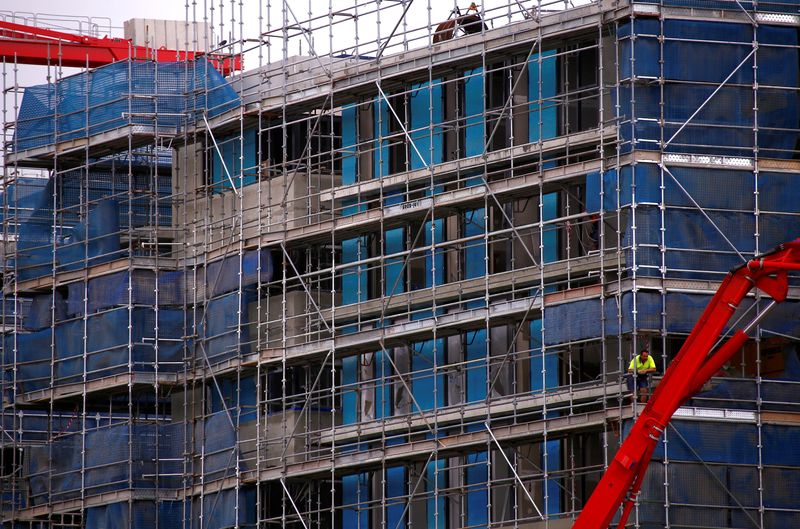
(385, 264)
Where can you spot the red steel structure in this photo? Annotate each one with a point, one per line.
(693, 366)
(31, 45)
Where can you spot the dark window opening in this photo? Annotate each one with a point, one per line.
(454, 112)
(578, 80)
(583, 363)
(417, 271)
(308, 144)
(288, 389)
(10, 461)
(285, 389)
(498, 88)
(314, 264)
(325, 140)
(500, 249)
(313, 497)
(585, 453)
(397, 142)
(573, 233)
(374, 270)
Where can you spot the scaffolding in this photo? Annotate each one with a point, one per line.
(394, 280)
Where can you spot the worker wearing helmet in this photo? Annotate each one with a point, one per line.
(642, 365)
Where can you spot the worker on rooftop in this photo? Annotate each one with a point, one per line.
(639, 373)
(469, 23)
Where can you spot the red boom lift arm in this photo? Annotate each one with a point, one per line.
(686, 374)
(31, 45)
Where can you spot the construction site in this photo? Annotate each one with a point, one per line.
(384, 264)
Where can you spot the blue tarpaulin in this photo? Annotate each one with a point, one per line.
(178, 92)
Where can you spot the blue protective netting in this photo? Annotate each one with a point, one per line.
(713, 443)
(221, 336)
(115, 201)
(689, 55)
(138, 514)
(56, 470)
(713, 473)
(224, 275)
(724, 125)
(96, 238)
(11, 312)
(35, 426)
(21, 197)
(776, 394)
(143, 197)
(688, 236)
(772, 6)
(33, 354)
(225, 509)
(242, 404)
(219, 439)
(137, 287)
(78, 242)
(586, 316)
(222, 325)
(106, 350)
(107, 345)
(777, 191)
(119, 94)
(41, 310)
(110, 348)
(147, 156)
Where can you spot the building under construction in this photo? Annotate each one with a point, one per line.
(396, 282)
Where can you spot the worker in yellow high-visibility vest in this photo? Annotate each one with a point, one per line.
(641, 365)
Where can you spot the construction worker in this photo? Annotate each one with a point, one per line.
(641, 365)
(469, 23)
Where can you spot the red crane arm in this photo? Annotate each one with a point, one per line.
(31, 45)
(686, 374)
